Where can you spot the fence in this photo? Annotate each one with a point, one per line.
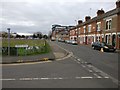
(14, 51)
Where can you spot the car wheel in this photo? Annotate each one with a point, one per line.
(114, 50)
(93, 47)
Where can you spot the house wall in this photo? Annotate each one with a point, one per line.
(103, 34)
(118, 32)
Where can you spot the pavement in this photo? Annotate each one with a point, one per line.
(55, 54)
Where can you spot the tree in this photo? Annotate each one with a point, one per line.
(34, 36)
(45, 36)
(23, 36)
(39, 36)
(18, 36)
(4, 34)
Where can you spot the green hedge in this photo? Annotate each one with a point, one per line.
(31, 50)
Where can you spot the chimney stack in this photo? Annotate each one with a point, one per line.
(87, 18)
(79, 22)
(100, 12)
(118, 4)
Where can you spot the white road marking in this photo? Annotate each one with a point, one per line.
(83, 66)
(55, 78)
(86, 77)
(99, 77)
(96, 75)
(94, 69)
(77, 77)
(35, 78)
(25, 79)
(61, 78)
(85, 62)
(78, 59)
(9, 79)
(106, 77)
(44, 78)
(90, 70)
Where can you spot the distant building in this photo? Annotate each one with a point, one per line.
(14, 34)
(60, 32)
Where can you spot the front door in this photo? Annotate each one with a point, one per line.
(114, 40)
(86, 40)
(106, 38)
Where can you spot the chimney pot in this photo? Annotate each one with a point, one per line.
(100, 12)
(79, 22)
(87, 18)
(118, 4)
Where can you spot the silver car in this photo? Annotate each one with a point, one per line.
(73, 42)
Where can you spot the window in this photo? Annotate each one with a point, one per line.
(108, 24)
(73, 32)
(98, 26)
(79, 31)
(89, 28)
(84, 29)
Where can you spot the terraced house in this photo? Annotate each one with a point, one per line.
(105, 27)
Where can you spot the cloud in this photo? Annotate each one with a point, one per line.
(22, 23)
(39, 15)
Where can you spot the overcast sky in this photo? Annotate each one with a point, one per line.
(28, 16)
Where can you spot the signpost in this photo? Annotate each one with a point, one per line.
(21, 46)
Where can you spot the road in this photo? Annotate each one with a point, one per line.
(86, 68)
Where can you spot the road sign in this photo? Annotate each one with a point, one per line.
(20, 46)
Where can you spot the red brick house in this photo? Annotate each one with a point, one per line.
(105, 27)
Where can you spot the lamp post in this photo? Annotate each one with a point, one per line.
(8, 41)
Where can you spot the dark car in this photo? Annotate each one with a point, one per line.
(103, 46)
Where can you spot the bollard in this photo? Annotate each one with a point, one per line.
(45, 59)
(102, 50)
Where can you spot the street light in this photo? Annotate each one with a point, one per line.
(8, 41)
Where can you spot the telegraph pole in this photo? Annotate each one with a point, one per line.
(90, 12)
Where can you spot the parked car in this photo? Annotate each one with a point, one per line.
(61, 40)
(67, 41)
(73, 42)
(103, 46)
(52, 39)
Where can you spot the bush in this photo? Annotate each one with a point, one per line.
(31, 50)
